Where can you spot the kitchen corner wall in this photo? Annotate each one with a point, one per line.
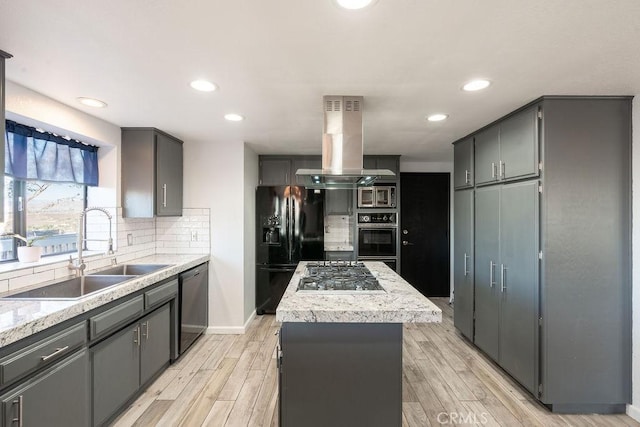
(634, 409)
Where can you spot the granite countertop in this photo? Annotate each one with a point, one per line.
(401, 303)
(22, 318)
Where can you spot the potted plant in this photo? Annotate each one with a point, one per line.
(28, 253)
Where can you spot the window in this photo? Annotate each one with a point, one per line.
(46, 178)
(45, 210)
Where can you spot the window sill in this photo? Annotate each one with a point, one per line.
(48, 262)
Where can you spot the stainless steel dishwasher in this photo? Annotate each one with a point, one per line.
(194, 298)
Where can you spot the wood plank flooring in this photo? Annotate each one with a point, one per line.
(231, 380)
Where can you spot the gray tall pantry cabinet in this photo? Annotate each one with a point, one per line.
(548, 213)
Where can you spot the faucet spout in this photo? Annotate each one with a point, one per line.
(80, 265)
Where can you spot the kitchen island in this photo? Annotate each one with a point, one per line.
(340, 353)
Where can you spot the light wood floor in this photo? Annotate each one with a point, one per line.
(230, 380)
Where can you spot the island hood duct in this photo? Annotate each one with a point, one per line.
(342, 148)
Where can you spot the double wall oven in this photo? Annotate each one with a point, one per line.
(377, 237)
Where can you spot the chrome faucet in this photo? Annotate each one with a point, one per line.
(80, 266)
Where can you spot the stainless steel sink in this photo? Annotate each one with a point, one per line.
(72, 288)
(131, 269)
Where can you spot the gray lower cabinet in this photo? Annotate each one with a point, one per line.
(127, 360)
(506, 280)
(463, 164)
(463, 257)
(58, 396)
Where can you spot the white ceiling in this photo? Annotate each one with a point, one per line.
(275, 59)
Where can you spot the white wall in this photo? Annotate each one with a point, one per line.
(634, 410)
(412, 166)
(34, 109)
(250, 183)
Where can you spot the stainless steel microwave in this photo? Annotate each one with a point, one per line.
(377, 197)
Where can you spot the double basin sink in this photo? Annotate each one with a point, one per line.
(79, 287)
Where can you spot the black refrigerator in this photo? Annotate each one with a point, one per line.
(290, 228)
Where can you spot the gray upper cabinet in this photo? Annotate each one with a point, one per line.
(152, 173)
(509, 149)
(463, 163)
(391, 163)
(58, 396)
(338, 202)
(275, 171)
(463, 262)
(487, 155)
(3, 57)
(306, 162)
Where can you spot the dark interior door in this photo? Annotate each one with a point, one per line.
(424, 232)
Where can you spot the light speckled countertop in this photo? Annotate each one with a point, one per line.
(401, 303)
(22, 318)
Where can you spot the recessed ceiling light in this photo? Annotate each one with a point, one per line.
(474, 85)
(232, 117)
(354, 4)
(203, 85)
(91, 102)
(437, 117)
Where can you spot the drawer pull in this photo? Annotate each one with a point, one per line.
(18, 419)
(58, 351)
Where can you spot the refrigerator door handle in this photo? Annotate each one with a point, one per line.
(293, 227)
(288, 231)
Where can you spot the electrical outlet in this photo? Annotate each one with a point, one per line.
(194, 236)
(129, 239)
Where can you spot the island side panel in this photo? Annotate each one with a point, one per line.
(341, 374)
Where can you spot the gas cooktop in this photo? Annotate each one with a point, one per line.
(339, 276)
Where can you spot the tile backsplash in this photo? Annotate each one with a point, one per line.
(132, 237)
(338, 232)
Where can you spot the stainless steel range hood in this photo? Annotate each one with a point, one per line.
(342, 148)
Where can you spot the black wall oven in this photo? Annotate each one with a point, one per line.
(377, 238)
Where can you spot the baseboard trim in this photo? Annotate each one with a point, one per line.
(231, 330)
(633, 412)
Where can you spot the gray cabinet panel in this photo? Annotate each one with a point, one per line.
(519, 281)
(112, 318)
(57, 397)
(3, 57)
(463, 164)
(116, 372)
(487, 265)
(275, 171)
(155, 342)
(369, 162)
(168, 176)
(487, 155)
(519, 144)
(306, 162)
(463, 262)
(338, 202)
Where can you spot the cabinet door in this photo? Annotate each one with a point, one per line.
(463, 164)
(487, 259)
(519, 280)
(116, 372)
(519, 145)
(487, 155)
(388, 162)
(275, 172)
(338, 202)
(311, 162)
(155, 342)
(57, 397)
(369, 162)
(168, 176)
(463, 262)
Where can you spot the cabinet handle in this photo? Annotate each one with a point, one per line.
(145, 333)
(501, 174)
(18, 419)
(503, 281)
(466, 176)
(58, 351)
(493, 170)
(164, 195)
(492, 273)
(136, 336)
(465, 264)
